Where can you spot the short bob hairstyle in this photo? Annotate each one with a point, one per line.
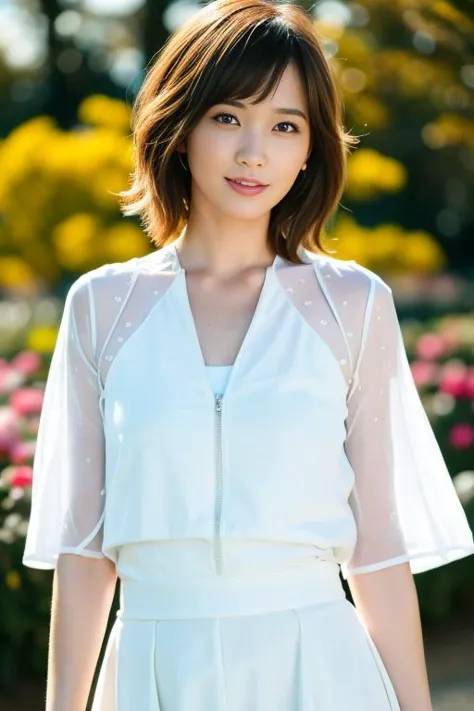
(236, 50)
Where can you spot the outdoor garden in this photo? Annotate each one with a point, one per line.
(68, 74)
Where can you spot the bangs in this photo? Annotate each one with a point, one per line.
(251, 67)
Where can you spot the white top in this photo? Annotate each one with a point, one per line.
(218, 377)
(319, 443)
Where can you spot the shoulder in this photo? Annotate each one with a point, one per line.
(113, 279)
(348, 277)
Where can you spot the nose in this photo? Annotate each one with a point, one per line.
(251, 153)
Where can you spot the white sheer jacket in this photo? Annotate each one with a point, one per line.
(325, 448)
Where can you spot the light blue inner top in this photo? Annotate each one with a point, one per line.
(218, 376)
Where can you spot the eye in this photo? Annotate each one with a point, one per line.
(218, 116)
(288, 123)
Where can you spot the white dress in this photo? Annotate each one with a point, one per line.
(230, 499)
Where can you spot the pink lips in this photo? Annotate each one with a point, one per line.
(247, 189)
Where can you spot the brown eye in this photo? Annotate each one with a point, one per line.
(218, 116)
(288, 123)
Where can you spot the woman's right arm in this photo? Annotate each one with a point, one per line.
(83, 591)
(68, 503)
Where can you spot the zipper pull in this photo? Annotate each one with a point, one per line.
(219, 403)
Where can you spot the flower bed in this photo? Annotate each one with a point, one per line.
(24, 593)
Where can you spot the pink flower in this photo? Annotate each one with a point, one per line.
(462, 436)
(452, 380)
(21, 476)
(27, 362)
(27, 401)
(10, 379)
(430, 346)
(4, 365)
(22, 452)
(9, 428)
(423, 372)
(469, 383)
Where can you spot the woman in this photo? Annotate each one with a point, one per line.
(230, 420)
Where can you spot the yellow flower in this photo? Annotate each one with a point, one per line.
(107, 182)
(42, 339)
(385, 242)
(123, 241)
(367, 109)
(370, 173)
(387, 247)
(13, 580)
(411, 74)
(422, 253)
(101, 110)
(353, 240)
(449, 130)
(329, 30)
(15, 272)
(77, 241)
(447, 11)
(354, 46)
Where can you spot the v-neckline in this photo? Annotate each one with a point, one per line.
(191, 324)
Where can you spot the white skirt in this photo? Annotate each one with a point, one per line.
(287, 641)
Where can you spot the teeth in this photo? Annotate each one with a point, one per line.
(250, 185)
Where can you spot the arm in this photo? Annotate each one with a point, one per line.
(388, 603)
(68, 506)
(83, 590)
(407, 515)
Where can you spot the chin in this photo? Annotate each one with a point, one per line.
(243, 213)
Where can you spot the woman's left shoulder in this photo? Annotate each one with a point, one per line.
(346, 274)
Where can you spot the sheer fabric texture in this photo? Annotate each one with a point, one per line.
(369, 487)
(68, 504)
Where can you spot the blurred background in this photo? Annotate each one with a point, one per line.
(69, 72)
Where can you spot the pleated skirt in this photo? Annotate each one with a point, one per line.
(167, 651)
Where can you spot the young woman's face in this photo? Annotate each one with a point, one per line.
(268, 141)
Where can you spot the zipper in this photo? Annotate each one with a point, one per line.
(218, 506)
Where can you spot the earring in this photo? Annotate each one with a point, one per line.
(181, 161)
(304, 166)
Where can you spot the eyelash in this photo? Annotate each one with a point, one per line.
(281, 123)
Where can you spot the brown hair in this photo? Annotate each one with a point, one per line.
(233, 50)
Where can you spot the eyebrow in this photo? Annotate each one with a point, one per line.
(288, 111)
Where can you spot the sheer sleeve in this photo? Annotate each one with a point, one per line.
(68, 495)
(403, 501)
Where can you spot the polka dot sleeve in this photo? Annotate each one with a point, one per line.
(403, 501)
(68, 493)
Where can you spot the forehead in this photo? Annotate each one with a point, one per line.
(290, 90)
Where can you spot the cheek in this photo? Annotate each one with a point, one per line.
(286, 165)
(288, 156)
(206, 146)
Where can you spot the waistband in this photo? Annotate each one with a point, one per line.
(186, 598)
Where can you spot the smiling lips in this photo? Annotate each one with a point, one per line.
(246, 186)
